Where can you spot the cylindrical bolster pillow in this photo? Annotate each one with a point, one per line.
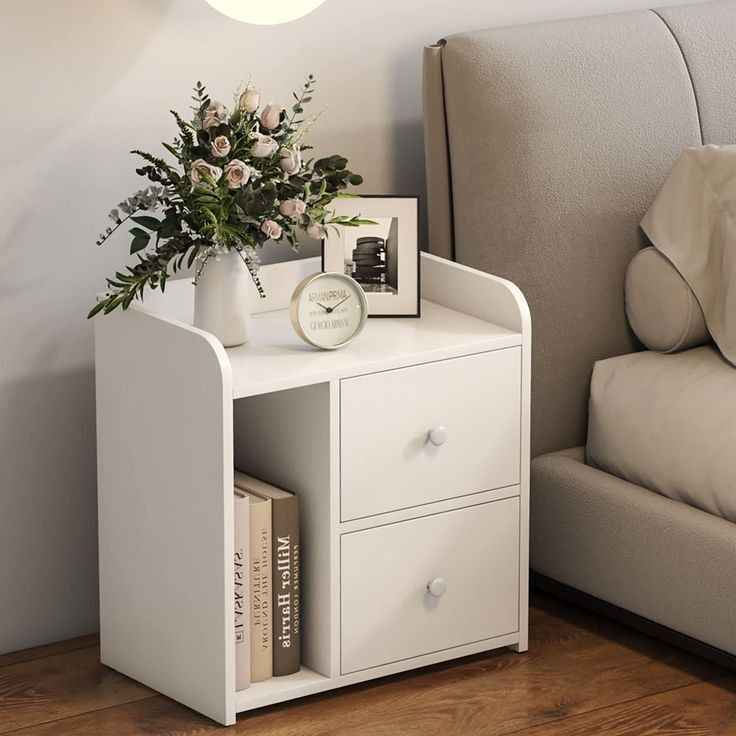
(661, 307)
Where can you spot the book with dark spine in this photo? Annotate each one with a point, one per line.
(241, 560)
(285, 554)
(261, 612)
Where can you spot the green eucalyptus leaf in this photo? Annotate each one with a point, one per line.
(209, 215)
(173, 151)
(97, 308)
(113, 302)
(167, 229)
(150, 222)
(137, 245)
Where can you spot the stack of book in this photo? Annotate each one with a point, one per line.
(267, 584)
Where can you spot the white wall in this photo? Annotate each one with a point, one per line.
(85, 81)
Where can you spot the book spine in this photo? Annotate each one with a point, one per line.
(286, 587)
(242, 592)
(261, 653)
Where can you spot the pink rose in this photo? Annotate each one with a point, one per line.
(237, 174)
(271, 229)
(264, 147)
(215, 114)
(271, 116)
(293, 208)
(291, 161)
(220, 146)
(316, 231)
(199, 166)
(250, 99)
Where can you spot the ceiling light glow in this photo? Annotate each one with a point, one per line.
(265, 12)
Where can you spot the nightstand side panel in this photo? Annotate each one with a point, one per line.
(165, 506)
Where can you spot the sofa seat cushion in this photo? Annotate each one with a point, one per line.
(666, 422)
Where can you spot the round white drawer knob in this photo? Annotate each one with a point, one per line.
(438, 436)
(437, 588)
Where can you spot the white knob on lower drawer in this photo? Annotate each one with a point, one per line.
(437, 588)
(438, 436)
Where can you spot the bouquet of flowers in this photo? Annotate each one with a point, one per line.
(240, 179)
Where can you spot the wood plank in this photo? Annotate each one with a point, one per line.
(491, 695)
(156, 715)
(61, 686)
(701, 709)
(48, 650)
(552, 620)
(577, 665)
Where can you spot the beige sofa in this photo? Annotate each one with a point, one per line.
(545, 145)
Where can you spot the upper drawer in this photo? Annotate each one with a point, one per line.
(430, 432)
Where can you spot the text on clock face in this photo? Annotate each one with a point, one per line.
(329, 324)
(327, 295)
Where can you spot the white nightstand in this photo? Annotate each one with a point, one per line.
(409, 450)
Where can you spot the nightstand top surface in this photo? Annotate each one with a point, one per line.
(459, 317)
(276, 358)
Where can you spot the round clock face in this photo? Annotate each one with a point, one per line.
(328, 310)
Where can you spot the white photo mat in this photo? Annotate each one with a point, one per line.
(382, 258)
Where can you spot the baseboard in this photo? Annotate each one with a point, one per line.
(651, 628)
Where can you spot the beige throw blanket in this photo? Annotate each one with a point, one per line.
(692, 221)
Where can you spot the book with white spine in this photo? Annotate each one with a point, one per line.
(261, 616)
(242, 565)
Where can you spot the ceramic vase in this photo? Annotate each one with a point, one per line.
(221, 299)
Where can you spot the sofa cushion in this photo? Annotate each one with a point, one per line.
(661, 307)
(666, 422)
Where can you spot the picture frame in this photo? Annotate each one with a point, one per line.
(383, 258)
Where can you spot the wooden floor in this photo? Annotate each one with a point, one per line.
(583, 675)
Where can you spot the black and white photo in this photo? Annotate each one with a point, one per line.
(382, 257)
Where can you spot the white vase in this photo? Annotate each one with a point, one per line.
(221, 299)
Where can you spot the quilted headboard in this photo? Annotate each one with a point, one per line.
(545, 145)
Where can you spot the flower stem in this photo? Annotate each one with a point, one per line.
(105, 236)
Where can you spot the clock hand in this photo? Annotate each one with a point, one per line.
(327, 309)
(340, 302)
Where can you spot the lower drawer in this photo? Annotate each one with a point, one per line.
(421, 586)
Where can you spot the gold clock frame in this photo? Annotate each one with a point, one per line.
(296, 298)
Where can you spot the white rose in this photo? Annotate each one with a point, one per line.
(200, 165)
(271, 229)
(293, 208)
(250, 99)
(264, 147)
(291, 161)
(220, 146)
(237, 174)
(316, 231)
(271, 116)
(215, 114)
